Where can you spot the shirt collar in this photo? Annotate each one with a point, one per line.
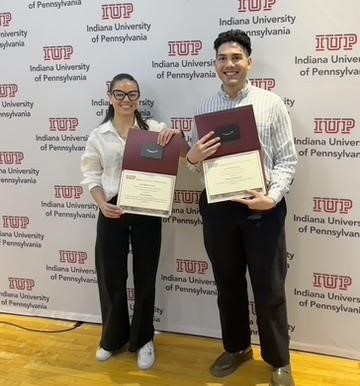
(242, 93)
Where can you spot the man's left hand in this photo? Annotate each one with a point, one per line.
(257, 201)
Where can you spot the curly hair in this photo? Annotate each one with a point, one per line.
(234, 35)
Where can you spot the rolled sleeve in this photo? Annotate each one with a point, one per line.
(91, 167)
(155, 125)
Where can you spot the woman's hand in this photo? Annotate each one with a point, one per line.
(165, 135)
(203, 148)
(110, 210)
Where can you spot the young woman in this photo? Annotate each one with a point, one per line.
(101, 167)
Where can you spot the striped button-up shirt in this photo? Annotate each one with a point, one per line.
(275, 133)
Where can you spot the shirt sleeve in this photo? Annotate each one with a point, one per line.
(155, 125)
(91, 166)
(283, 153)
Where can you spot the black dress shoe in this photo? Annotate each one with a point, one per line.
(227, 362)
(282, 377)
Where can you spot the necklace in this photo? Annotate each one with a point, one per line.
(123, 136)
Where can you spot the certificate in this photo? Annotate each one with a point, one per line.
(232, 176)
(146, 193)
(148, 175)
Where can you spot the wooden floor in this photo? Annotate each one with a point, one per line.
(39, 359)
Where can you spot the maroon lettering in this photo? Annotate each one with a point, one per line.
(16, 222)
(58, 52)
(256, 5)
(184, 47)
(8, 90)
(63, 124)
(21, 284)
(332, 205)
(72, 257)
(117, 11)
(335, 42)
(191, 266)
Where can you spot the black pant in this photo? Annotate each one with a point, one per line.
(237, 238)
(111, 255)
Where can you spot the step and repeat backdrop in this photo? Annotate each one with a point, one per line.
(57, 59)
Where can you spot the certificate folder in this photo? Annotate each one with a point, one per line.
(235, 127)
(236, 167)
(148, 175)
(142, 153)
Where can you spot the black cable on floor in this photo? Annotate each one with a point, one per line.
(76, 325)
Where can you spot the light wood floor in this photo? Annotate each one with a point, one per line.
(38, 359)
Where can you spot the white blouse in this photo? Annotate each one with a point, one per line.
(101, 162)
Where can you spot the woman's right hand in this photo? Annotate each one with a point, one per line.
(110, 210)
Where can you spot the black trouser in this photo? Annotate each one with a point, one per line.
(111, 255)
(237, 238)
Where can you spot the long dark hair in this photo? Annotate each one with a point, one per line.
(110, 112)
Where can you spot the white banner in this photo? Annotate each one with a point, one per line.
(57, 58)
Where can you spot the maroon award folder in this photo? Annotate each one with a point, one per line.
(235, 127)
(148, 175)
(142, 153)
(236, 167)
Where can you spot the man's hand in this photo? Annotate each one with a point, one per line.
(203, 148)
(110, 210)
(258, 201)
(165, 135)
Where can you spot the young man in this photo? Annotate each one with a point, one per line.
(249, 233)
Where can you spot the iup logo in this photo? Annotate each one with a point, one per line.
(265, 83)
(335, 42)
(117, 11)
(11, 157)
(21, 283)
(192, 266)
(63, 124)
(252, 308)
(15, 222)
(5, 19)
(182, 124)
(8, 90)
(108, 85)
(330, 281)
(256, 5)
(72, 257)
(184, 47)
(187, 196)
(332, 205)
(131, 294)
(334, 125)
(68, 191)
(58, 52)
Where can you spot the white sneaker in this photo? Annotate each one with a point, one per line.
(102, 354)
(146, 356)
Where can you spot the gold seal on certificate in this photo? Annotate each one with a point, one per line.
(148, 174)
(236, 167)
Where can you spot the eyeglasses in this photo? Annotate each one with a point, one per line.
(120, 95)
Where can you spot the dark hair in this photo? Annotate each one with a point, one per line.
(234, 35)
(110, 112)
